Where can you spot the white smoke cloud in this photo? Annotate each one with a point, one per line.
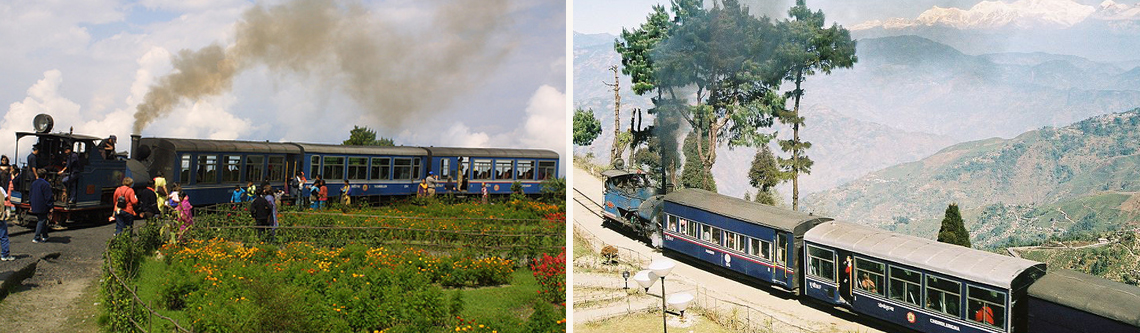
(42, 97)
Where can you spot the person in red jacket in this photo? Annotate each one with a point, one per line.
(125, 202)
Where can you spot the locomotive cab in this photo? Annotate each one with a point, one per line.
(632, 200)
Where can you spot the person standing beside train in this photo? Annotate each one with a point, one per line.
(5, 255)
(260, 211)
(160, 191)
(41, 206)
(107, 147)
(126, 201)
(298, 188)
(33, 164)
(324, 195)
(271, 197)
(70, 173)
(345, 194)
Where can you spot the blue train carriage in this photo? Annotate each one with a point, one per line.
(630, 199)
(208, 170)
(917, 283)
(373, 171)
(746, 237)
(466, 170)
(1065, 301)
(96, 182)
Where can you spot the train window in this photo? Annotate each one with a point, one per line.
(381, 168)
(730, 240)
(741, 243)
(692, 228)
(672, 223)
(231, 168)
(870, 276)
(503, 170)
(943, 295)
(905, 285)
(333, 167)
(207, 168)
(821, 263)
(718, 236)
(402, 168)
(464, 165)
(761, 248)
(184, 169)
(482, 169)
(314, 166)
(525, 170)
(546, 170)
(985, 306)
(276, 168)
(706, 233)
(445, 168)
(357, 168)
(255, 168)
(416, 168)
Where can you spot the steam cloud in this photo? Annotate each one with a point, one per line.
(391, 72)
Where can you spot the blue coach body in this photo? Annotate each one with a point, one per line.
(756, 240)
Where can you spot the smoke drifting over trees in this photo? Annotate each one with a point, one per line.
(389, 71)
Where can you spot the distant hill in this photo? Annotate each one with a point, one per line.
(1080, 178)
(921, 85)
(1115, 256)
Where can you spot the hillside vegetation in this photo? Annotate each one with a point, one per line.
(1114, 256)
(1077, 179)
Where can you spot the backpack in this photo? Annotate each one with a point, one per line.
(121, 203)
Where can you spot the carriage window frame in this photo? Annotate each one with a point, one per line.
(381, 168)
(314, 166)
(231, 168)
(729, 240)
(254, 168)
(504, 168)
(445, 168)
(706, 233)
(901, 283)
(718, 236)
(693, 229)
(402, 168)
(1000, 311)
(878, 278)
(938, 286)
(208, 167)
(672, 222)
(184, 169)
(333, 167)
(357, 168)
(524, 170)
(417, 166)
(481, 169)
(760, 248)
(742, 243)
(817, 263)
(546, 170)
(275, 168)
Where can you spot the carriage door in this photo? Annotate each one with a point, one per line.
(781, 256)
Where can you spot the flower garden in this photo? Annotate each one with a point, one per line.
(400, 268)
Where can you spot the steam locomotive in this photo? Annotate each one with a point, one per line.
(915, 283)
(208, 170)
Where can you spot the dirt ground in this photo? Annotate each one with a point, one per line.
(62, 294)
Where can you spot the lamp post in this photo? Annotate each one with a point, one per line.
(625, 276)
(681, 302)
(661, 268)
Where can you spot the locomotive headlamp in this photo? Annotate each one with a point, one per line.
(43, 123)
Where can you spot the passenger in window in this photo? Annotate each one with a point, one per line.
(107, 147)
(867, 284)
(70, 173)
(984, 315)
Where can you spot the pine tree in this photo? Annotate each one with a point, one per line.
(953, 230)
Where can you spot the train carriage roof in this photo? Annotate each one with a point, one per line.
(493, 152)
(1096, 295)
(206, 145)
(966, 263)
(743, 210)
(617, 173)
(313, 148)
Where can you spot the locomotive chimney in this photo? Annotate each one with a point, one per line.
(134, 144)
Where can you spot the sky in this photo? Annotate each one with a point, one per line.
(601, 16)
(469, 73)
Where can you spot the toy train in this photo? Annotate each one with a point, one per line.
(915, 283)
(208, 170)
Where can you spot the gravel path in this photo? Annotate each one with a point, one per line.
(61, 294)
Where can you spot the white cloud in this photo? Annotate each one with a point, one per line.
(42, 97)
(1025, 14)
(546, 120)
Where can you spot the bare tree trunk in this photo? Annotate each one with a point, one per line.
(615, 150)
(796, 145)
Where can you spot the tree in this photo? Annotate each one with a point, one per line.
(363, 136)
(764, 175)
(953, 230)
(723, 54)
(586, 127)
(807, 48)
(694, 175)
